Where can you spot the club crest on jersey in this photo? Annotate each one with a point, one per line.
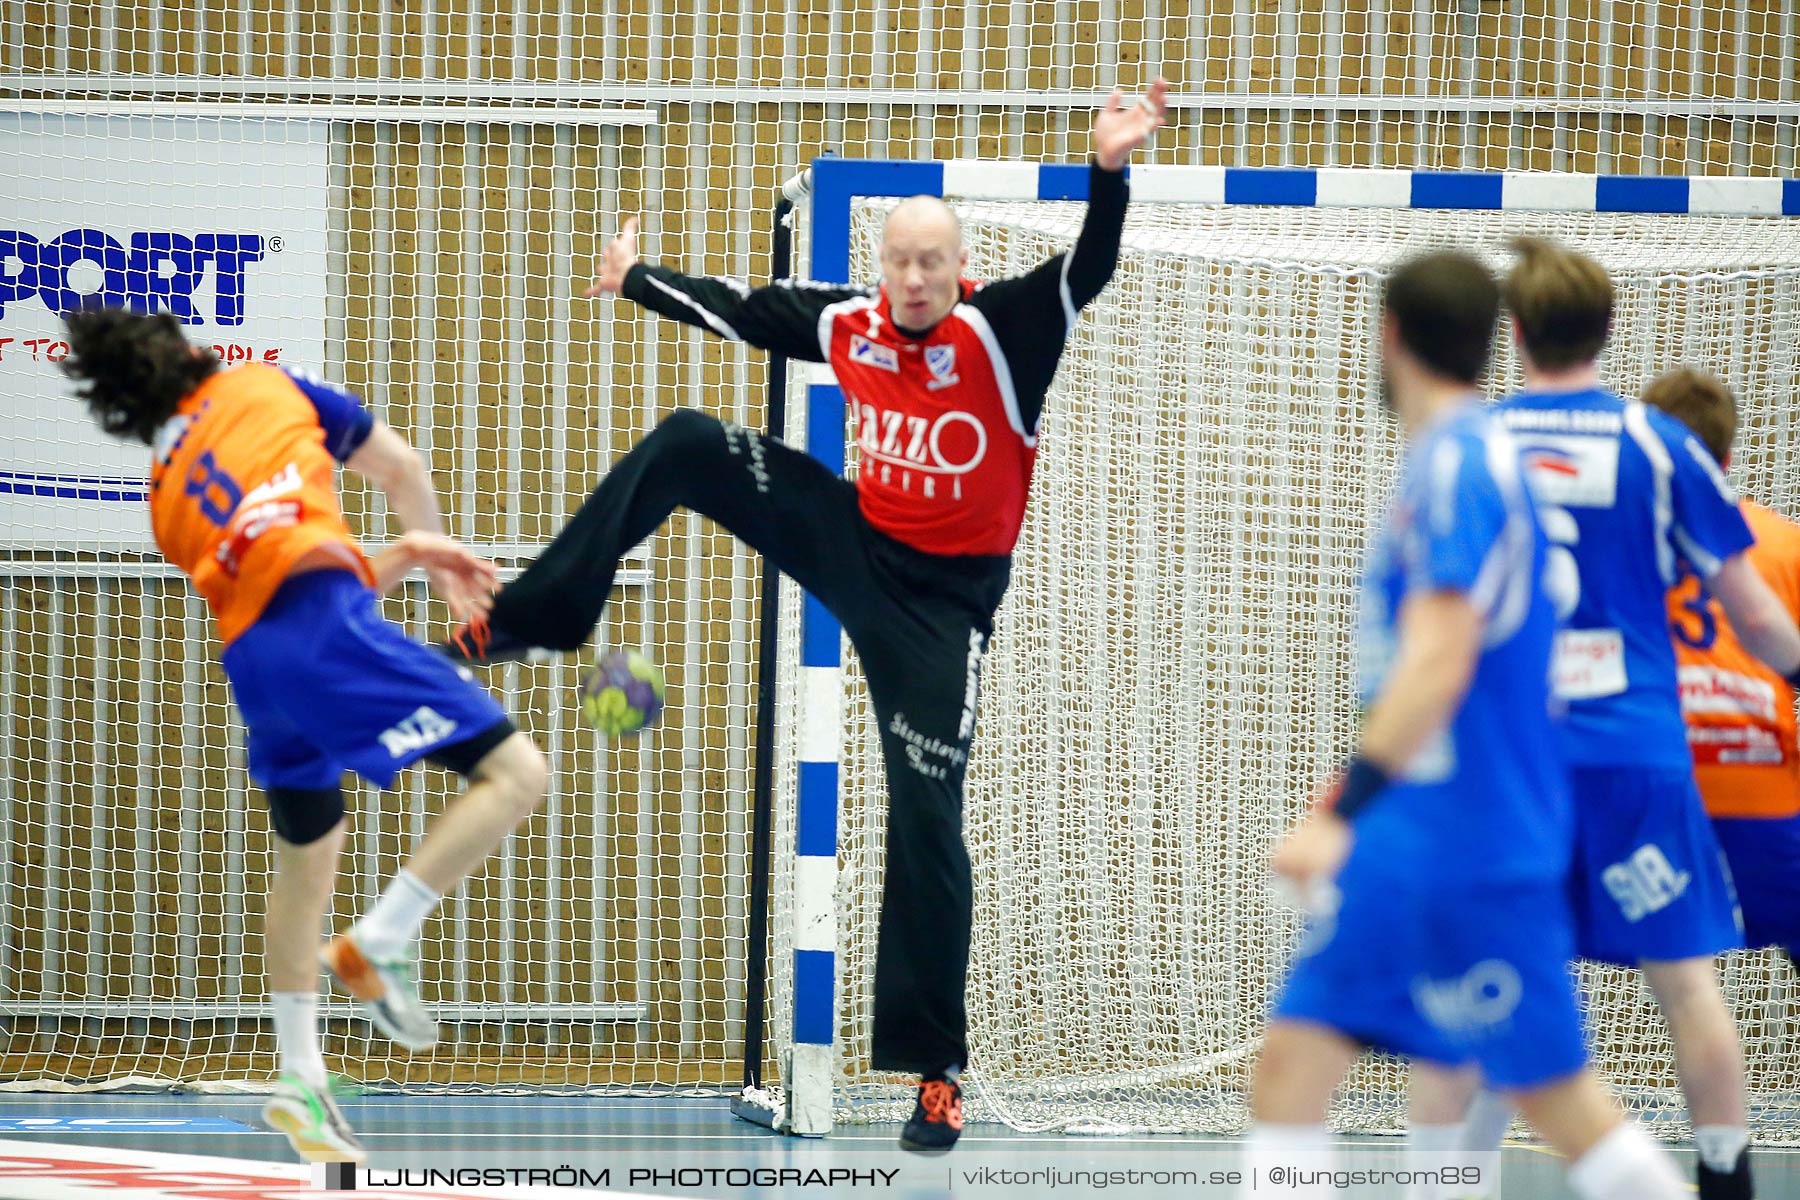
(873, 354)
(941, 362)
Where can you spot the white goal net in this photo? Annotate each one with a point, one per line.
(1172, 671)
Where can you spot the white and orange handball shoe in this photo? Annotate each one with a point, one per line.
(387, 988)
(310, 1118)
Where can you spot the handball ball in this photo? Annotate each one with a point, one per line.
(622, 694)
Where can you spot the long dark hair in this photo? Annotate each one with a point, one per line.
(136, 368)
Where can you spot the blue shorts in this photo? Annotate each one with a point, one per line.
(1648, 881)
(1444, 969)
(327, 684)
(1764, 855)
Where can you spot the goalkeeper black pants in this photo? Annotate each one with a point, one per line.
(919, 622)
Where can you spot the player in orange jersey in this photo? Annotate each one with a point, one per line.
(1740, 714)
(244, 500)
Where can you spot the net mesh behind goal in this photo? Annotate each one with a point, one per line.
(1172, 671)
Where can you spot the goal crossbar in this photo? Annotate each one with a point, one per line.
(836, 183)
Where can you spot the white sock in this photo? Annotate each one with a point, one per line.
(1721, 1145)
(1626, 1165)
(297, 1035)
(1307, 1148)
(393, 921)
(1437, 1141)
(1485, 1125)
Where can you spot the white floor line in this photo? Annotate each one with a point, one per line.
(52, 1171)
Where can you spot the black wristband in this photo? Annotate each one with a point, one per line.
(1363, 781)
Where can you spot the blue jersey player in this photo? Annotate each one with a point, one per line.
(1440, 927)
(1627, 494)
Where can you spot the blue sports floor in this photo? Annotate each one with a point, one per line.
(687, 1147)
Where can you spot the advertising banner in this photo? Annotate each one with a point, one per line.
(221, 221)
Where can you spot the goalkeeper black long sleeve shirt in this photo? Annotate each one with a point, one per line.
(947, 418)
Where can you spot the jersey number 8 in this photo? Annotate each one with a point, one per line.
(219, 493)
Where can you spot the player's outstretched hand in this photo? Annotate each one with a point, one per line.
(618, 258)
(1121, 127)
(463, 579)
(1311, 855)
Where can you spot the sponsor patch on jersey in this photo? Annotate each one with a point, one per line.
(261, 510)
(873, 354)
(1588, 663)
(1573, 470)
(1735, 745)
(1707, 689)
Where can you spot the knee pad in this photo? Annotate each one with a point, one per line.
(688, 426)
(301, 816)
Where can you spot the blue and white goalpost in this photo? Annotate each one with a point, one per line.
(1172, 668)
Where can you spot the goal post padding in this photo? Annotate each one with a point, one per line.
(1172, 670)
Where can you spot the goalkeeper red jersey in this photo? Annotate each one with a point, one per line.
(945, 456)
(946, 419)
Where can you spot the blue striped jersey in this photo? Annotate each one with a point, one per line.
(1487, 796)
(1625, 494)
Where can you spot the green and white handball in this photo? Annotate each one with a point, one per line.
(623, 694)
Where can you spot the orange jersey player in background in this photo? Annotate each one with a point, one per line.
(243, 498)
(1740, 715)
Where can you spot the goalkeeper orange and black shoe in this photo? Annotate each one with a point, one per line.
(479, 640)
(937, 1119)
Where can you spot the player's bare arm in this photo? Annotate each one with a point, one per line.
(463, 580)
(1439, 646)
(1757, 614)
(389, 462)
(444, 559)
